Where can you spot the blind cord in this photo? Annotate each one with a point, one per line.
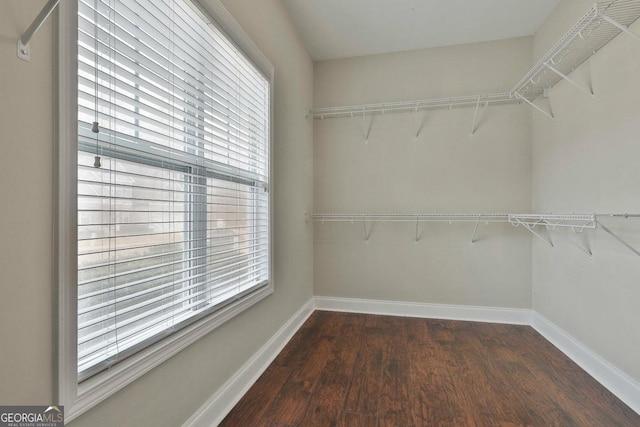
(95, 128)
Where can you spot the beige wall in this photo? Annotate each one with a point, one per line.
(171, 393)
(587, 161)
(26, 173)
(444, 171)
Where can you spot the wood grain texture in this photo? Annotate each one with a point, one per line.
(354, 370)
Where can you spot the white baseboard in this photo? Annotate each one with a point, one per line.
(513, 316)
(616, 381)
(222, 402)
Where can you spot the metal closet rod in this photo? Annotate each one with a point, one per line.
(23, 42)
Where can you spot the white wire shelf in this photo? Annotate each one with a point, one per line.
(551, 220)
(534, 222)
(420, 105)
(603, 22)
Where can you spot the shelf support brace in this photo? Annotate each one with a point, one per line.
(366, 127)
(530, 228)
(570, 80)
(586, 251)
(473, 236)
(534, 105)
(618, 238)
(475, 119)
(417, 125)
(24, 52)
(365, 234)
(620, 27)
(417, 229)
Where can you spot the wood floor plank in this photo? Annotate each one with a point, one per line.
(418, 330)
(589, 402)
(290, 404)
(350, 419)
(327, 402)
(431, 405)
(364, 390)
(319, 323)
(470, 388)
(393, 405)
(508, 407)
(539, 395)
(357, 370)
(257, 399)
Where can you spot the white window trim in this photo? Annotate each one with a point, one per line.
(78, 398)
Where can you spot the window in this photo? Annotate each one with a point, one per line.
(171, 200)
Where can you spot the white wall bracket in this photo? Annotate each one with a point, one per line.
(24, 52)
(366, 127)
(618, 238)
(530, 226)
(550, 115)
(570, 80)
(475, 229)
(475, 118)
(620, 27)
(365, 234)
(417, 124)
(565, 235)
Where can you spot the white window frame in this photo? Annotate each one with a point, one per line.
(76, 397)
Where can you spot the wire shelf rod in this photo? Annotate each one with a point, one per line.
(577, 221)
(418, 105)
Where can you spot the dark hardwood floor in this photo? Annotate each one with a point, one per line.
(353, 370)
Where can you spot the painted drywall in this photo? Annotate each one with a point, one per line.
(443, 170)
(171, 393)
(26, 174)
(586, 160)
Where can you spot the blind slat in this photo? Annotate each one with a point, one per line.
(174, 223)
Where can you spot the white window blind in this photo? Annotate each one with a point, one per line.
(174, 223)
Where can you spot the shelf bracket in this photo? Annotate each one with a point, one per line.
(619, 26)
(417, 230)
(475, 119)
(530, 228)
(534, 105)
(24, 52)
(417, 124)
(586, 251)
(365, 234)
(366, 127)
(618, 238)
(570, 80)
(473, 236)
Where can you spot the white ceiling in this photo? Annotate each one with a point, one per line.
(344, 28)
